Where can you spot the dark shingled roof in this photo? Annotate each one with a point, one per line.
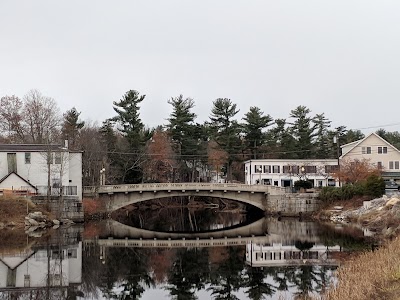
(29, 148)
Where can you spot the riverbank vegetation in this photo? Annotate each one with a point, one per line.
(371, 275)
(14, 209)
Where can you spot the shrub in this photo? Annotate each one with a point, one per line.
(303, 184)
(374, 186)
(346, 192)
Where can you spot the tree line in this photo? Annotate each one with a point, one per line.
(183, 149)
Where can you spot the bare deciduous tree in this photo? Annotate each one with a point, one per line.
(41, 119)
(10, 118)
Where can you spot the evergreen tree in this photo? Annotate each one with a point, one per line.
(352, 136)
(71, 126)
(323, 142)
(281, 143)
(253, 127)
(225, 130)
(127, 110)
(302, 130)
(392, 137)
(189, 137)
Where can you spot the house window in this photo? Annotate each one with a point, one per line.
(382, 150)
(27, 158)
(276, 169)
(57, 158)
(267, 169)
(266, 181)
(310, 169)
(27, 280)
(391, 163)
(396, 165)
(366, 150)
(331, 168)
(291, 169)
(12, 162)
(331, 182)
(257, 168)
(379, 165)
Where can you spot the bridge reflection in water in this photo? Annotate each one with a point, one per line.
(268, 241)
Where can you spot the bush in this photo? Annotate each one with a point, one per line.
(305, 184)
(375, 186)
(346, 192)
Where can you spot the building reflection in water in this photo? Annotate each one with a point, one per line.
(290, 254)
(49, 269)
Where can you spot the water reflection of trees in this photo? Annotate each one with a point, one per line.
(177, 217)
(127, 272)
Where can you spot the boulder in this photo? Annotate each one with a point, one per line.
(392, 201)
(33, 222)
(56, 222)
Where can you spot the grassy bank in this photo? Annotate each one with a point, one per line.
(371, 275)
(14, 209)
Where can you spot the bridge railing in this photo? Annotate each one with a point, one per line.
(179, 186)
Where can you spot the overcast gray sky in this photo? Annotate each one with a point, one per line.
(339, 57)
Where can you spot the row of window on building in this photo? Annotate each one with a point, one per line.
(52, 158)
(289, 169)
(393, 165)
(368, 150)
(271, 255)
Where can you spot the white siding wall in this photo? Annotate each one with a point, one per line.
(252, 174)
(36, 172)
(75, 172)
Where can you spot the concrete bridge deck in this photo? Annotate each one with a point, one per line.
(182, 187)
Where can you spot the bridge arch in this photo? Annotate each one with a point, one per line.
(117, 201)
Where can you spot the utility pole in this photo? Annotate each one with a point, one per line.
(336, 140)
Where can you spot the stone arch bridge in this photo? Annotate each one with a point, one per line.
(267, 198)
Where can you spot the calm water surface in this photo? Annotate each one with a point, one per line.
(230, 252)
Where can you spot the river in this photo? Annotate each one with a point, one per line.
(224, 251)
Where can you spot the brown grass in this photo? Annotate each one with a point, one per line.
(15, 208)
(371, 275)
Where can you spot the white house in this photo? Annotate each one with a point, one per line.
(28, 167)
(285, 172)
(378, 151)
(32, 269)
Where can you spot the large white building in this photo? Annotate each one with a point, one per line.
(28, 167)
(285, 172)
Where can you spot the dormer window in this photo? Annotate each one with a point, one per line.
(382, 150)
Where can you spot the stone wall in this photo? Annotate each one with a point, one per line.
(292, 204)
(70, 207)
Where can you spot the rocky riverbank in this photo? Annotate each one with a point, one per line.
(379, 217)
(371, 274)
(22, 215)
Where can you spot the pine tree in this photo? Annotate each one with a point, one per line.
(255, 122)
(225, 130)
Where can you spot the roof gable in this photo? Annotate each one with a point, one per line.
(21, 179)
(359, 142)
